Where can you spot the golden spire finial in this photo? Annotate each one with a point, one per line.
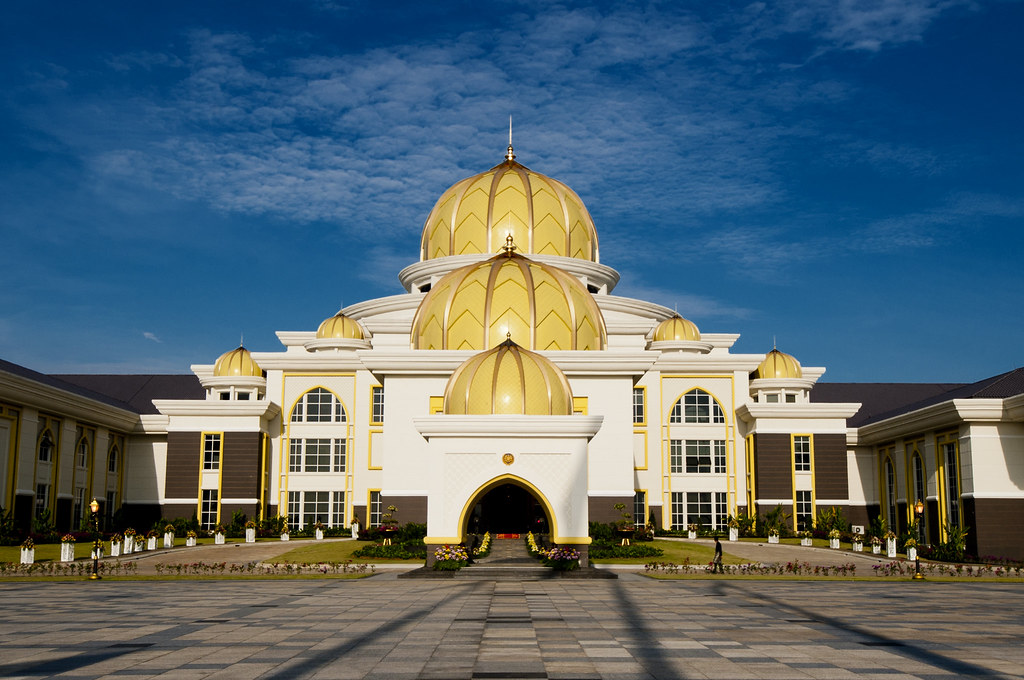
(509, 246)
(510, 156)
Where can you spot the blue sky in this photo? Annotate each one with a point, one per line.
(844, 177)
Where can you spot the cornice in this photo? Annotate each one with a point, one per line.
(418, 274)
(508, 426)
(938, 416)
(443, 362)
(751, 413)
(193, 407)
(675, 362)
(25, 391)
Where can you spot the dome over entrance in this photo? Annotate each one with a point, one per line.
(778, 364)
(479, 305)
(511, 380)
(544, 216)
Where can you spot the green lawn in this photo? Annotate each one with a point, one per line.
(678, 552)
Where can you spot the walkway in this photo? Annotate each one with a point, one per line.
(628, 629)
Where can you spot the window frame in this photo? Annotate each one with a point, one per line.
(640, 405)
(212, 455)
(801, 458)
(300, 413)
(377, 405)
(681, 409)
(302, 460)
(209, 508)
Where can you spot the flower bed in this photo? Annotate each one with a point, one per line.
(450, 558)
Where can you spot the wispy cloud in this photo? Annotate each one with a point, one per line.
(151, 336)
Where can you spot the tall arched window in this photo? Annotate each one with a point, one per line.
(696, 406)
(82, 453)
(890, 495)
(112, 459)
(318, 406)
(920, 492)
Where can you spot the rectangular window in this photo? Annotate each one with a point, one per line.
(640, 509)
(678, 510)
(377, 398)
(211, 452)
(294, 509)
(110, 509)
(639, 405)
(208, 510)
(675, 453)
(375, 509)
(338, 509)
(804, 511)
(316, 455)
(947, 445)
(316, 507)
(802, 453)
(698, 509)
(42, 498)
(79, 510)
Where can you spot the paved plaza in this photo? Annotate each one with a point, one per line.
(633, 627)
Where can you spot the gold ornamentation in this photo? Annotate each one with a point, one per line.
(508, 459)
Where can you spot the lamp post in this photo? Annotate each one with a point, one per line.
(919, 511)
(97, 545)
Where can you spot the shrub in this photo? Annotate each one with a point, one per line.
(606, 550)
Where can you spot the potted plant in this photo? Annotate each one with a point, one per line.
(190, 539)
(67, 548)
(218, 535)
(169, 536)
(890, 544)
(805, 538)
(116, 541)
(911, 547)
(129, 541)
(151, 537)
(833, 539)
(562, 558)
(691, 530)
(389, 524)
(318, 531)
(624, 528)
(773, 535)
(28, 551)
(876, 545)
(285, 532)
(858, 543)
(450, 558)
(250, 532)
(734, 529)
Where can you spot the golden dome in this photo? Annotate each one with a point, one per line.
(477, 306)
(237, 362)
(544, 216)
(508, 379)
(675, 329)
(340, 326)
(778, 364)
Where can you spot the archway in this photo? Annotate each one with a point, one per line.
(507, 507)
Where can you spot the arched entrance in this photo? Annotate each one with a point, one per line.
(508, 508)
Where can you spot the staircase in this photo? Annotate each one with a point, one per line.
(507, 561)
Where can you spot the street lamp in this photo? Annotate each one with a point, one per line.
(96, 544)
(919, 511)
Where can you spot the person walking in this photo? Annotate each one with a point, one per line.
(717, 561)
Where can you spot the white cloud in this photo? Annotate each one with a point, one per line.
(151, 336)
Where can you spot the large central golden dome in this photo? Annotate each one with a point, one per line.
(477, 306)
(544, 216)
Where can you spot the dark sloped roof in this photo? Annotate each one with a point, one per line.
(139, 391)
(68, 386)
(887, 400)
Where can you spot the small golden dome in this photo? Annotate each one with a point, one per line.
(477, 306)
(778, 364)
(675, 329)
(544, 216)
(508, 380)
(237, 362)
(340, 326)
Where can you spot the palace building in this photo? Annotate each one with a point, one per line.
(508, 388)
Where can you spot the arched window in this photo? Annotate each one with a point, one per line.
(920, 492)
(46, 447)
(318, 406)
(696, 406)
(112, 459)
(82, 453)
(890, 495)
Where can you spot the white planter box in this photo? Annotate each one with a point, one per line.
(115, 549)
(691, 534)
(168, 540)
(67, 552)
(28, 555)
(190, 542)
(876, 549)
(890, 547)
(355, 530)
(911, 554)
(95, 554)
(129, 545)
(773, 539)
(806, 541)
(284, 537)
(218, 539)
(319, 534)
(151, 543)
(734, 534)
(250, 535)
(833, 543)
(858, 546)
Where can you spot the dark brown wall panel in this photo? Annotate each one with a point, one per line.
(410, 508)
(603, 509)
(241, 463)
(994, 527)
(183, 451)
(773, 466)
(831, 474)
